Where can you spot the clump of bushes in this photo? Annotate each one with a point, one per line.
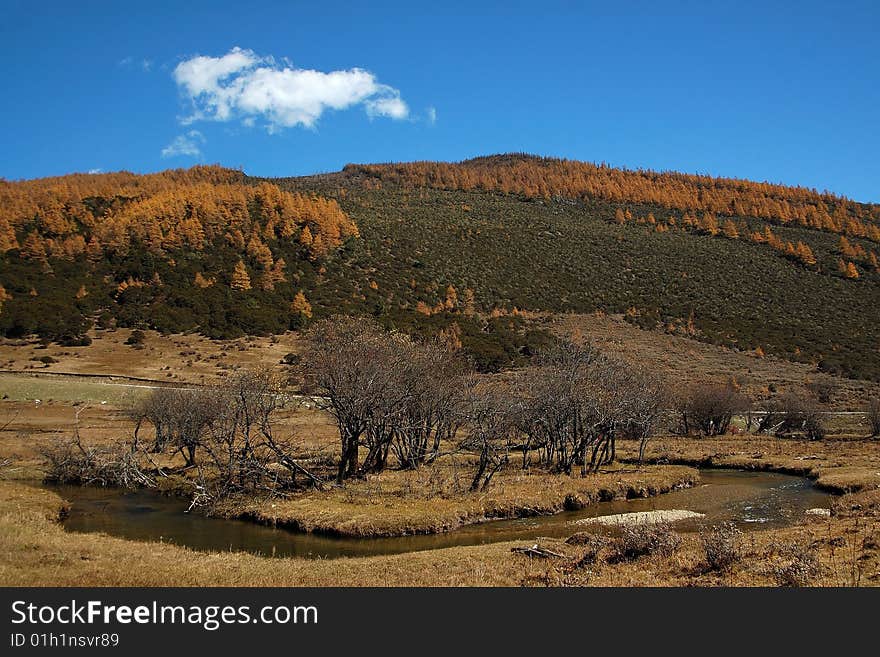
(591, 545)
(793, 415)
(71, 462)
(708, 409)
(644, 539)
(722, 545)
(798, 564)
(136, 339)
(823, 391)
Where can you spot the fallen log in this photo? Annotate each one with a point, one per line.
(536, 551)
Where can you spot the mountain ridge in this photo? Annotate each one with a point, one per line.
(460, 249)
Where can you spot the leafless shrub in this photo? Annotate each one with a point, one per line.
(793, 415)
(873, 413)
(576, 402)
(851, 553)
(386, 392)
(822, 390)
(797, 564)
(591, 546)
(722, 545)
(69, 461)
(491, 432)
(643, 539)
(708, 409)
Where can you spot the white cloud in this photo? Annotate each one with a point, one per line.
(188, 145)
(243, 85)
(389, 105)
(130, 63)
(432, 115)
(96, 171)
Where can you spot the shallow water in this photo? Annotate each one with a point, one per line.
(750, 499)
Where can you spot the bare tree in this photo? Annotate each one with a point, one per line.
(708, 408)
(802, 415)
(386, 392)
(577, 401)
(359, 373)
(558, 408)
(491, 431)
(648, 398)
(792, 414)
(246, 452)
(770, 416)
(180, 418)
(435, 408)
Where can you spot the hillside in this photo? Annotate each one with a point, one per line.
(459, 248)
(203, 248)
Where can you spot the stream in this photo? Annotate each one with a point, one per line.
(749, 499)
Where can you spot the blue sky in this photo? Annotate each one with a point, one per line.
(786, 92)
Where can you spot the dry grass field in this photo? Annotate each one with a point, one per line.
(165, 359)
(684, 361)
(183, 359)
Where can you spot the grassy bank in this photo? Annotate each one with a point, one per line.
(436, 499)
(837, 465)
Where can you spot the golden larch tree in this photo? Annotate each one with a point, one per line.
(301, 305)
(240, 279)
(4, 296)
(709, 224)
(805, 254)
(729, 230)
(451, 300)
(201, 281)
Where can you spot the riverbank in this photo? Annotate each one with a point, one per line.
(435, 499)
(36, 551)
(837, 465)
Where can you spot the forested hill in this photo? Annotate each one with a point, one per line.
(460, 249)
